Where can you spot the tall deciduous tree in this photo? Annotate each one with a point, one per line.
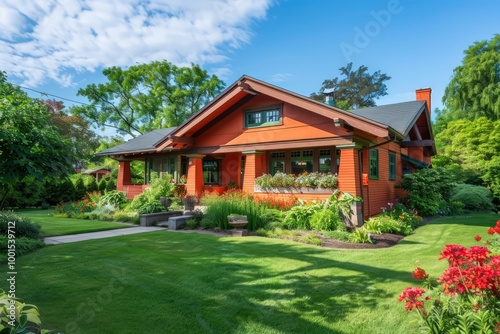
(474, 89)
(358, 88)
(470, 149)
(84, 141)
(148, 96)
(29, 145)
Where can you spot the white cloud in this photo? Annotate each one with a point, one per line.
(44, 39)
(281, 77)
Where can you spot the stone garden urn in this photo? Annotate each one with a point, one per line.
(166, 202)
(238, 223)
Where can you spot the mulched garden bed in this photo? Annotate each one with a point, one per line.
(379, 241)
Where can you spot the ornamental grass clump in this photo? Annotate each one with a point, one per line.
(468, 297)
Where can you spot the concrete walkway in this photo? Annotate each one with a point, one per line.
(99, 235)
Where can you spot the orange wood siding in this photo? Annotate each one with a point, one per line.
(348, 177)
(380, 192)
(231, 166)
(194, 185)
(253, 169)
(297, 124)
(124, 175)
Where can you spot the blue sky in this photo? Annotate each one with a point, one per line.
(294, 44)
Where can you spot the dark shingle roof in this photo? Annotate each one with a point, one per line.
(142, 143)
(399, 116)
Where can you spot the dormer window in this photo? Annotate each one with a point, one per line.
(263, 116)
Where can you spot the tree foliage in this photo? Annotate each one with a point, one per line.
(29, 144)
(77, 130)
(474, 89)
(146, 97)
(471, 148)
(358, 88)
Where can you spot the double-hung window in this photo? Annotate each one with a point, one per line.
(373, 164)
(392, 166)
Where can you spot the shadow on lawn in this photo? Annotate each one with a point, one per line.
(182, 283)
(303, 298)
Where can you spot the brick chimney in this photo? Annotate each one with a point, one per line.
(424, 94)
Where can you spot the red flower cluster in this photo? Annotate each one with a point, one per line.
(419, 274)
(275, 202)
(496, 229)
(478, 238)
(411, 296)
(471, 270)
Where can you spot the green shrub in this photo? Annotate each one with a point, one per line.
(271, 216)
(197, 215)
(25, 319)
(91, 184)
(360, 235)
(111, 184)
(104, 212)
(474, 198)
(299, 217)
(326, 220)
(23, 226)
(24, 193)
(457, 208)
(384, 224)
(45, 206)
(192, 223)
(149, 200)
(113, 197)
(23, 246)
(80, 189)
(426, 189)
(101, 186)
(126, 216)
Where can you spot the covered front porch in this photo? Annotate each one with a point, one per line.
(218, 172)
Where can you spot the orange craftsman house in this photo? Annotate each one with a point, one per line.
(254, 128)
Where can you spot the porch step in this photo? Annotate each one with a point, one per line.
(174, 223)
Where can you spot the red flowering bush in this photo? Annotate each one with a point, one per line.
(494, 242)
(281, 203)
(468, 299)
(419, 274)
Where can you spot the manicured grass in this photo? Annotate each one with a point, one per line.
(168, 282)
(52, 226)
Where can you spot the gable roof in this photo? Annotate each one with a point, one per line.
(141, 144)
(399, 116)
(393, 119)
(245, 88)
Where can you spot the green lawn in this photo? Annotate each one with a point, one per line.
(52, 226)
(168, 282)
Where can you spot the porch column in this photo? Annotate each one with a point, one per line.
(194, 184)
(349, 180)
(124, 175)
(253, 169)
